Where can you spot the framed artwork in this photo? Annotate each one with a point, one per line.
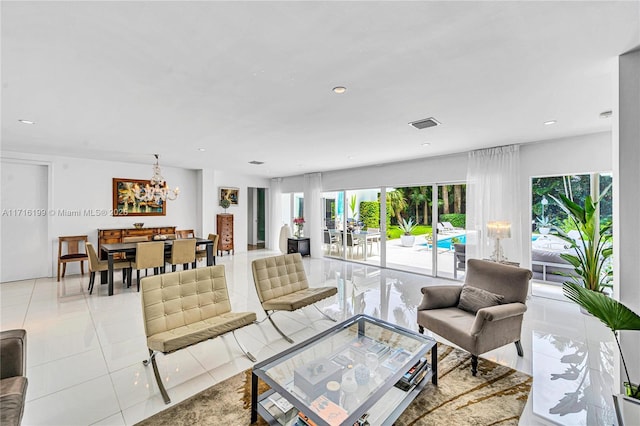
(230, 194)
(126, 204)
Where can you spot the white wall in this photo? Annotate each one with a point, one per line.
(80, 184)
(211, 183)
(626, 190)
(571, 155)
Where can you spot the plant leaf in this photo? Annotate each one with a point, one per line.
(612, 313)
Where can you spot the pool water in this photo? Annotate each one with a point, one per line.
(446, 243)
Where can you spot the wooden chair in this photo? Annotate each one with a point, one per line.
(134, 239)
(72, 254)
(185, 233)
(148, 255)
(97, 265)
(183, 252)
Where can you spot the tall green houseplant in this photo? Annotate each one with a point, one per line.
(612, 313)
(593, 250)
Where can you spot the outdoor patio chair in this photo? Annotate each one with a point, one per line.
(449, 227)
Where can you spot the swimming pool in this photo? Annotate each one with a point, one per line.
(445, 243)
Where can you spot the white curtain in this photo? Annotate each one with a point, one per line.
(275, 212)
(492, 195)
(313, 212)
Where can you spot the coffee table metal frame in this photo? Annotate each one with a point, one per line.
(260, 371)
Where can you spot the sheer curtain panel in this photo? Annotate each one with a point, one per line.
(492, 196)
(313, 212)
(275, 212)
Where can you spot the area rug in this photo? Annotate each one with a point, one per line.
(496, 396)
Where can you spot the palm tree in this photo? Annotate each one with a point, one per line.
(424, 190)
(445, 199)
(396, 203)
(417, 198)
(457, 198)
(612, 313)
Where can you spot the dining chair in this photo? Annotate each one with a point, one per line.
(202, 253)
(148, 255)
(185, 233)
(183, 252)
(97, 265)
(72, 252)
(353, 241)
(374, 238)
(134, 239)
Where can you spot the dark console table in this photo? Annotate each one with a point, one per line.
(299, 245)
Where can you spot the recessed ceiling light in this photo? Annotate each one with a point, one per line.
(550, 122)
(606, 114)
(201, 149)
(339, 89)
(350, 157)
(426, 144)
(27, 122)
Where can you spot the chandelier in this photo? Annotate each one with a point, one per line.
(158, 190)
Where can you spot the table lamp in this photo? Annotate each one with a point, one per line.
(498, 230)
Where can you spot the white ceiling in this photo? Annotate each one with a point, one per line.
(252, 80)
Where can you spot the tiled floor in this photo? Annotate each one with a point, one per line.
(85, 352)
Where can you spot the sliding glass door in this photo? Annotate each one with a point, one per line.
(352, 225)
(552, 233)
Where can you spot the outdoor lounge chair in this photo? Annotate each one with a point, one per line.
(449, 227)
(443, 229)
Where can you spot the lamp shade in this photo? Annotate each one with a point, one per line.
(498, 229)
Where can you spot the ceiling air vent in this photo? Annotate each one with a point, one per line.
(426, 123)
(256, 162)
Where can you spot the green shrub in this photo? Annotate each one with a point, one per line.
(370, 214)
(394, 232)
(458, 220)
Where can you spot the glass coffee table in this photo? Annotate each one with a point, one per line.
(361, 368)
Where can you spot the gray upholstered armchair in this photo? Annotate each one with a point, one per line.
(13, 380)
(483, 314)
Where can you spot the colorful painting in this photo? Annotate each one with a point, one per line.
(126, 204)
(230, 194)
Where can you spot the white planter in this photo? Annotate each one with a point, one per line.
(544, 231)
(407, 240)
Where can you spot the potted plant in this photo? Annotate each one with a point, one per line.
(406, 227)
(593, 250)
(224, 203)
(613, 314)
(299, 223)
(544, 224)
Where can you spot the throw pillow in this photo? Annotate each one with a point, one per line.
(472, 299)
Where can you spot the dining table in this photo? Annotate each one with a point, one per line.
(108, 252)
(363, 237)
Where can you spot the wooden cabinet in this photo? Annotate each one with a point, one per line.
(110, 236)
(224, 228)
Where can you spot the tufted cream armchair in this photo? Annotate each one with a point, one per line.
(281, 283)
(183, 308)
